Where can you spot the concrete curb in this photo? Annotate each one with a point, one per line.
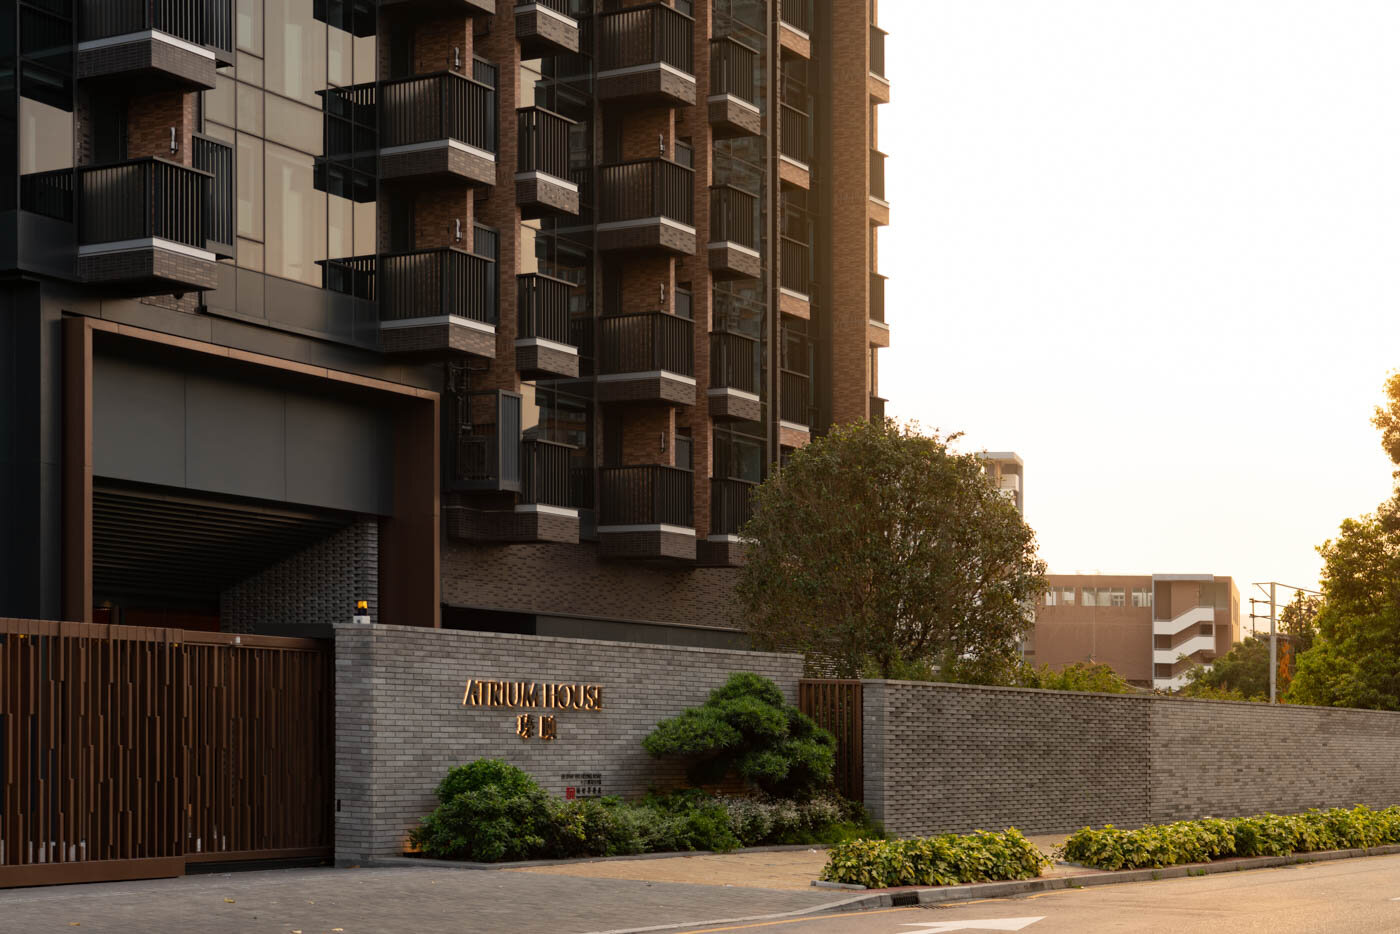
(423, 862)
(896, 898)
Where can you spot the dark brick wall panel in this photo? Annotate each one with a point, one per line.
(943, 758)
(400, 722)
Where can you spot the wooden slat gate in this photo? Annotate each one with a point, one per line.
(836, 705)
(128, 752)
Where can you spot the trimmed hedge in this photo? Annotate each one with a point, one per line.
(1200, 841)
(492, 812)
(949, 859)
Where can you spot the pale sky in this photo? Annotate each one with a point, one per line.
(1154, 248)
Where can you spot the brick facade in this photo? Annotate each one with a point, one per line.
(400, 721)
(945, 758)
(315, 587)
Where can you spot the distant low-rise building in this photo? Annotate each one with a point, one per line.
(1151, 629)
(1008, 474)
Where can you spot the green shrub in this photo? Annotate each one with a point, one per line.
(1200, 841)
(477, 775)
(487, 825)
(944, 860)
(746, 727)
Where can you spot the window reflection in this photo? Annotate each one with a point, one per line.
(45, 137)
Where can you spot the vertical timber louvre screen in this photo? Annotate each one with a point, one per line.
(128, 752)
(837, 707)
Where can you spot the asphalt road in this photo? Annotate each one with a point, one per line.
(1355, 896)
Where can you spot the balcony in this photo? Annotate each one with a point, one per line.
(144, 227)
(733, 243)
(438, 301)
(543, 348)
(795, 21)
(542, 185)
(879, 329)
(877, 409)
(647, 205)
(734, 378)
(154, 45)
(878, 82)
(647, 57)
(733, 100)
(795, 408)
(216, 157)
(879, 206)
(795, 148)
(647, 357)
(646, 512)
(545, 28)
(795, 279)
(436, 128)
(442, 7)
(731, 507)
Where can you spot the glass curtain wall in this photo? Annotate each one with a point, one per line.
(294, 210)
(741, 306)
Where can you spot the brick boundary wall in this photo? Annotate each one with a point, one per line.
(943, 758)
(400, 722)
(318, 585)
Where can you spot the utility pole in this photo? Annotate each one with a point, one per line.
(1273, 642)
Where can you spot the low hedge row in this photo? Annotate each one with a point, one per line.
(944, 860)
(494, 812)
(1199, 841)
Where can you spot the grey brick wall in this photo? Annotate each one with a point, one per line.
(317, 586)
(945, 758)
(400, 722)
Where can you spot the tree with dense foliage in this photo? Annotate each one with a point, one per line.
(878, 549)
(1354, 660)
(1081, 676)
(748, 728)
(1240, 674)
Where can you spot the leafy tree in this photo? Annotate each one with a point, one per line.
(1298, 621)
(1240, 674)
(1081, 676)
(748, 728)
(876, 548)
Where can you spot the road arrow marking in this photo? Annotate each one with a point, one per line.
(996, 924)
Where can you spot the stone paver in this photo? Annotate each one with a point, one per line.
(779, 871)
(383, 901)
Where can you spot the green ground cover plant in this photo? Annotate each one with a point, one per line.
(950, 859)
(1199, 841)
(490, 811)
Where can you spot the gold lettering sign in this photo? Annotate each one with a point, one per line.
(521, 695)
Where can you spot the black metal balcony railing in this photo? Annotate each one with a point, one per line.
(647, 342)
(483, 447)
(645, 35)
(733, 217)
(733, 69)
(648, 188)
(202, 22)
(877, 297)
(731, 505)
(646, 495)
(544, 142)
(545, 472)
(445, 105)
(798, 14)
(734, 362)
(581, 485)
(796, 134)
(796, 401)
(431, 283)
(143, 199)
(877, 174)
(558, 6)
(877, 409)
(216, 158)
(797, 266)
(877, 51)
(544, 307)
(48, 193)
(350, 275)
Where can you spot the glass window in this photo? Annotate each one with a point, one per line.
(1142, 596)
(45, 137)
(218, 103)
(250, 187)
(296, 216)
(1115, 597)
(296, 51)
(250, 109)
(249, 25)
